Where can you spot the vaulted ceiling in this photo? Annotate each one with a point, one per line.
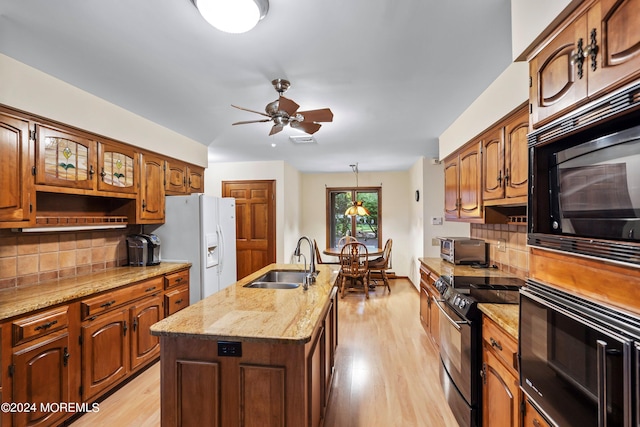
(395, 74)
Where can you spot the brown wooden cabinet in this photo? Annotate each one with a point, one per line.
(500, 386)
(505, 161)
(462, 182)
(596, 50)
(115, 334)
(41, 376)
(105, 351)
(65, 159)
(183, 178)
(150, 203)
(118, 168)
(144, 313)
(18, 194)
(531, 417)
(429, 313)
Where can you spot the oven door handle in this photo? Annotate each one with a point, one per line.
(455, 323)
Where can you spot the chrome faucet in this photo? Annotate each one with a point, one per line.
(312, 259)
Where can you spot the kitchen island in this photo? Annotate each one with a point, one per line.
(247, 356)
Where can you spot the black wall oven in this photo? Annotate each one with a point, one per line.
(579, 360)
(584, 173)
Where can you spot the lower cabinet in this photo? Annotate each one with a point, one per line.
(531, 417)
(40, 378)
(500, 385)
(429, 312)
(105, 352)
(77, 351)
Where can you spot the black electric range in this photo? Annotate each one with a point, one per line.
(464, 293)
(460, 337)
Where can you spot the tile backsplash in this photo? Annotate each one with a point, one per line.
(29, 258)
(507, 246)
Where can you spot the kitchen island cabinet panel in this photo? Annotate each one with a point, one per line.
(278, 368)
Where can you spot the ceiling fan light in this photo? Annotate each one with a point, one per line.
(232, 16)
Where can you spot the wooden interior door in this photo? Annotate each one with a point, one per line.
(255, 223)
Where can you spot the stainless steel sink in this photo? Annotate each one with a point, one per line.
(278, 279)
(272, 285)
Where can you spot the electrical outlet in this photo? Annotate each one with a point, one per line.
(230, 348)
(502, 245)
(435, 242)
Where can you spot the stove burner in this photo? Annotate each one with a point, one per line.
(463, 293)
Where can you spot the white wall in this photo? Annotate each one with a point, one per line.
(417, 231)
(397, 194)
(530, 18)
(503, 96)
(33, 91)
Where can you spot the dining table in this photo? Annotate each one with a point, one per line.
(335, 251)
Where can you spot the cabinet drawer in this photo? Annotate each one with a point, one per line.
(531, 417)
(176, 279)
(176, 299)
(109, 300)
(502, 343)
(40, 324)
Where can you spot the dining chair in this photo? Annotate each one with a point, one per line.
(346, 239)
(354, 266)
(319, 259)
(381, 264)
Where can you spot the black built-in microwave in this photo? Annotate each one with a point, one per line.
(585, 191)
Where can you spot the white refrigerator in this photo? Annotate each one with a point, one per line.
(201, 229)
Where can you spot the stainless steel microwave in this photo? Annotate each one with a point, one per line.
(463, 250)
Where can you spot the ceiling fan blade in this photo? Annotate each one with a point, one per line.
(308, 127)
(287, 105)
(322, 115)
(275, 129)
(251, 121)
(251, 111)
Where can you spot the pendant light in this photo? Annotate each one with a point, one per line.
(356, 207)
(232, 16)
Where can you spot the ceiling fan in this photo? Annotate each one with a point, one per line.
(284, 111)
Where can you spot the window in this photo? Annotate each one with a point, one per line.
(367, 229)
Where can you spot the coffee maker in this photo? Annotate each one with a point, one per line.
(143, 249)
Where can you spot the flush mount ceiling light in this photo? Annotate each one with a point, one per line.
(356, 207)
(232, 16)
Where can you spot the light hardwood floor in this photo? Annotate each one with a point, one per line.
(386, 371)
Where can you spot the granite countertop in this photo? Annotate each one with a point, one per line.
(259, 315)
(25, 299)
(442, 267)
(505, 315)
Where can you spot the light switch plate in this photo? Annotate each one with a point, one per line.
(502, 245)
(436, 220)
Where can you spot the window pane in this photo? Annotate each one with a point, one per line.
(367, 226)
(339, 223)
(366, 229)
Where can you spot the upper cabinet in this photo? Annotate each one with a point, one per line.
(463, 195)
(150, 203)
(16, 181)
(182, 178)
(65, 159)
(505, 161)
(489, 171)
(596, 50)
(118, 168)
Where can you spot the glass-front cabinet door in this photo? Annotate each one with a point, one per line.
(65, 159)
(118, 168)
